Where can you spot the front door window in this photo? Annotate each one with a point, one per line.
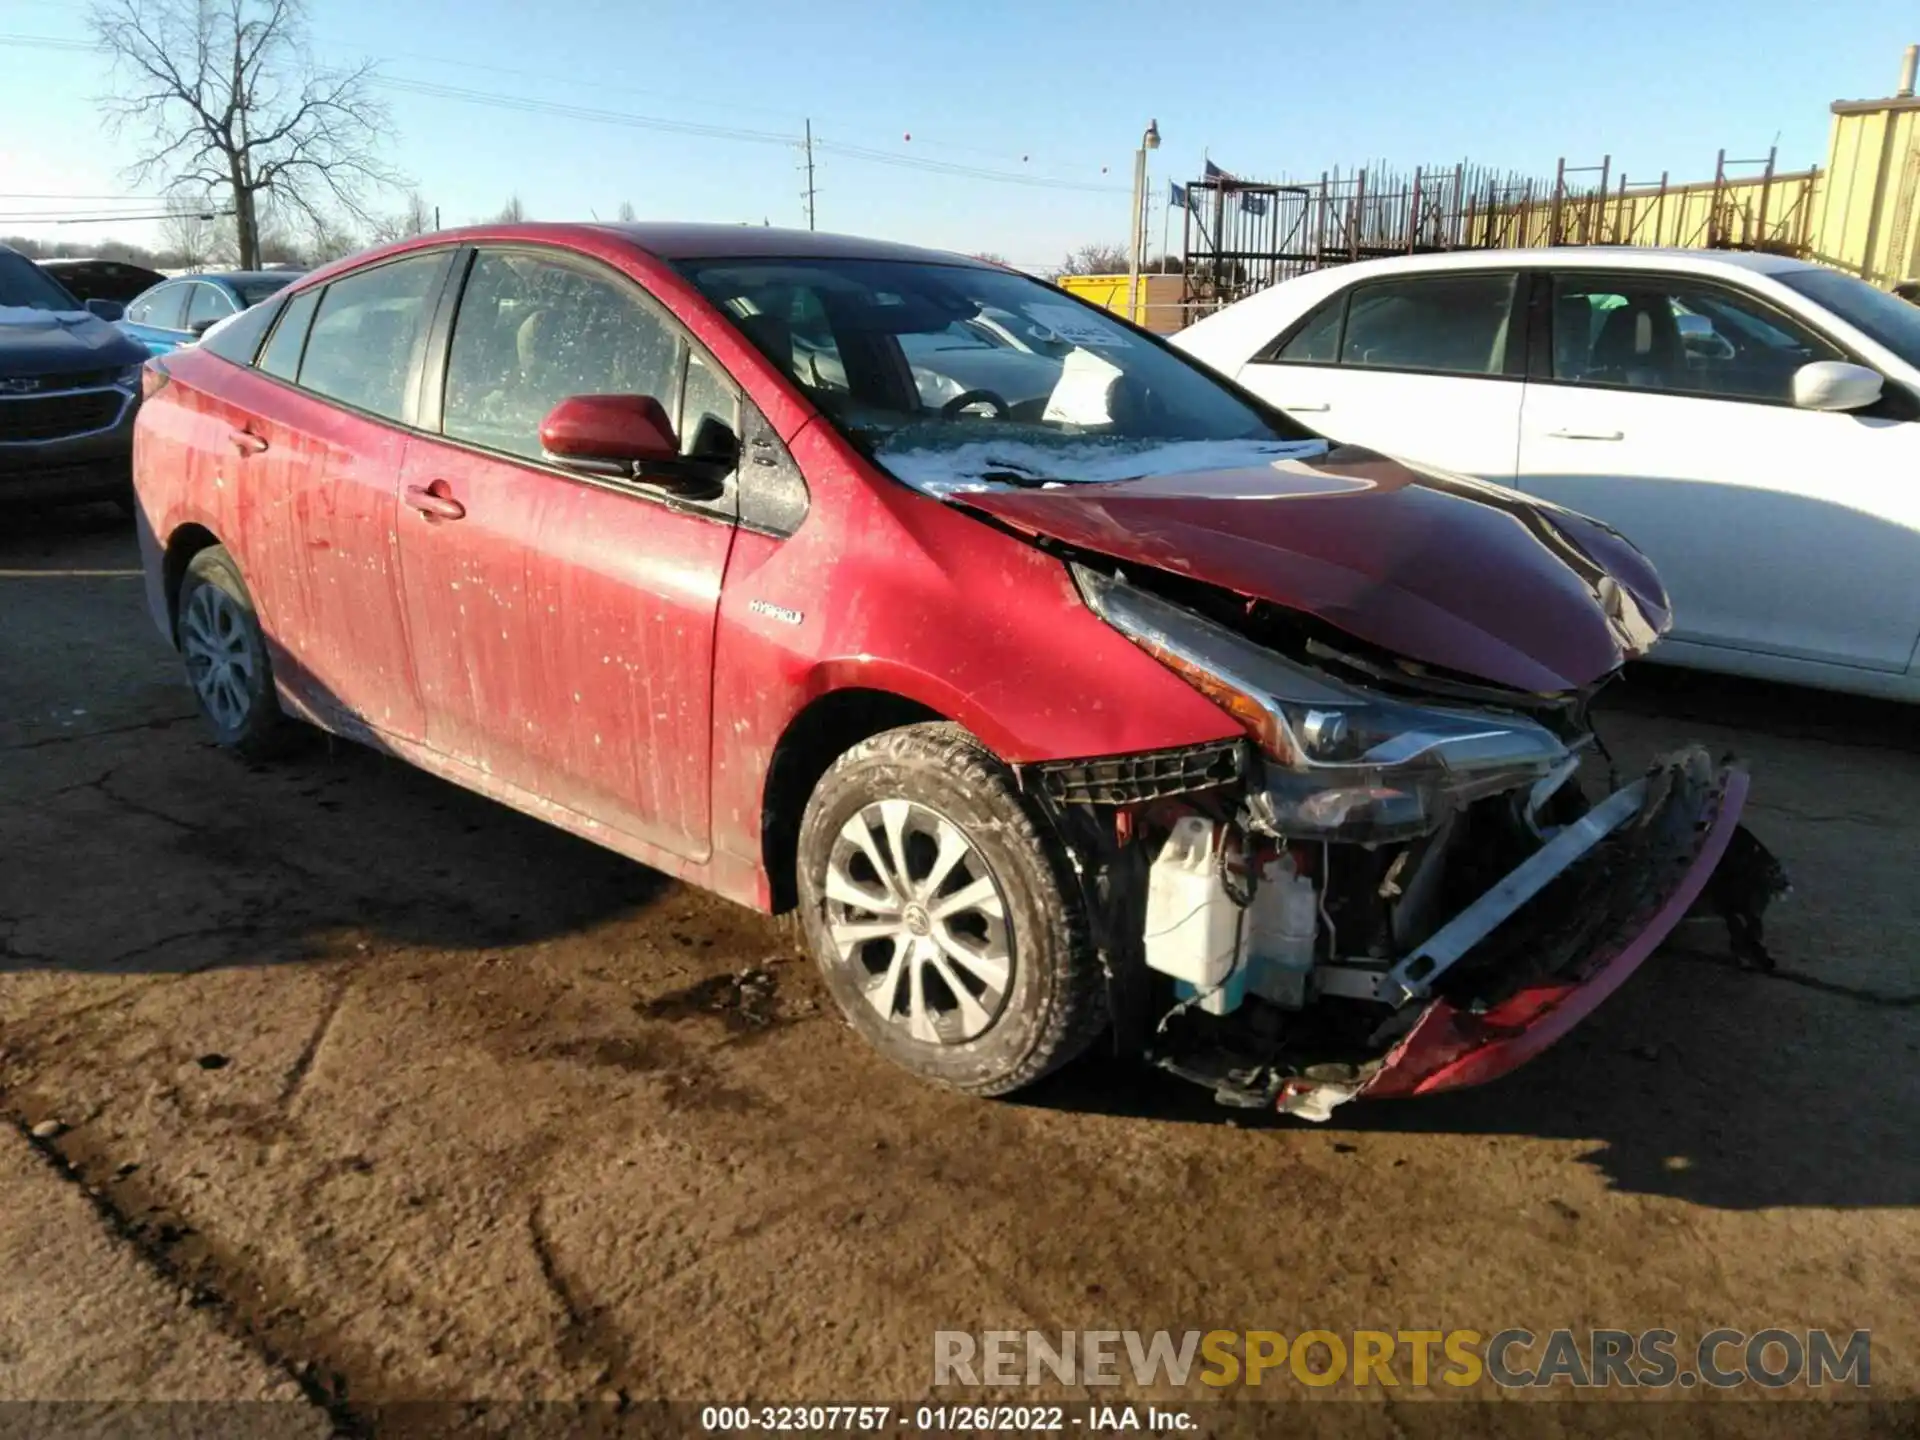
(533, 331)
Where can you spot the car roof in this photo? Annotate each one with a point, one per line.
(1611, 257)
(74, 262)
(1249, 322)
(237, 276)
(675, 241)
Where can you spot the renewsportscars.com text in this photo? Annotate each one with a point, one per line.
(1515, 1358)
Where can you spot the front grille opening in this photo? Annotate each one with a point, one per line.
(53, 417)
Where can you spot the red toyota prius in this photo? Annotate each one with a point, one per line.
(1065, 688)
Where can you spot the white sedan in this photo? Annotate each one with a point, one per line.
(1751, 422)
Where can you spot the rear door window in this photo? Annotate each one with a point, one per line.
(1316, 340)
(367, 332)
(1450, 324)
(281, 358)
(240, 341)
(207, 304)
(163, 307)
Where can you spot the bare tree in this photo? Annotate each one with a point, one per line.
(627, 213)
(1096, 260)
(236, 107)
(328, 239)
(511, 213)
(189, 234)
(416, 219)
(278, 246)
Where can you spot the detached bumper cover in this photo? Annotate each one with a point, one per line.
(1453, 1045)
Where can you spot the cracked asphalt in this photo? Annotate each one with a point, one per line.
(418, 1100)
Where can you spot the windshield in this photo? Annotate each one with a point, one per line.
(25, 284)
(952, 376)
(1888, 319)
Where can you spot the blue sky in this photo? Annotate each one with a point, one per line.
(1056, 91)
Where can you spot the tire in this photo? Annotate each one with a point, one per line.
(988, 908)
(225, 650)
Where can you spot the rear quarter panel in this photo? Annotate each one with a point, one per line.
(182, 468)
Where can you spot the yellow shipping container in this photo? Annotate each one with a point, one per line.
(1157, 304)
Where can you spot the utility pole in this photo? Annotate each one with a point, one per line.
(1137, 238)
(809, 148)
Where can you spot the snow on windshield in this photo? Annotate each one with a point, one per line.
(928, 460)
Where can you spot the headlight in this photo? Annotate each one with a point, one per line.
(127, 377)
(1351, 764)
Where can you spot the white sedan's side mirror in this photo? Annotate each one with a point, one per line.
(1835, 385)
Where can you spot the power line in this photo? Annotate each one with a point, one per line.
(48, 42)
(731, 104)
(110, 219)
(948, 167)
(126, 199)
(530, 105)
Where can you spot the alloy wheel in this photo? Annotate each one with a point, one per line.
(220, 664)
(917, 915)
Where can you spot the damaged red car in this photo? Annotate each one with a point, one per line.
(1065, 688)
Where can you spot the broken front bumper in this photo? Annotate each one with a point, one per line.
(1658, 869)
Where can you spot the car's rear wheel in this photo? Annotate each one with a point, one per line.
(225, 651)
(941, 911)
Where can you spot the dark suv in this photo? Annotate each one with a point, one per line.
(69, 384)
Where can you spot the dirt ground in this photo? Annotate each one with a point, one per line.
(421, 1100)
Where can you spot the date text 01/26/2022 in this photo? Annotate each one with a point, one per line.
(944, 1419)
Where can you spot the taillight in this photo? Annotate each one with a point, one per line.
(153, 378)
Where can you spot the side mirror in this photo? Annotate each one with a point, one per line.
(609, 434)
(1835, 385)
(106, 309)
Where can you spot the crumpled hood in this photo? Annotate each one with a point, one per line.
(47, 342)
(1444, 570)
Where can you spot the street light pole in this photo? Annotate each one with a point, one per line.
(1138, 240)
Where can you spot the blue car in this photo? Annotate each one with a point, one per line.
(180, 311)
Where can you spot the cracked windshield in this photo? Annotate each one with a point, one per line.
(957, 377)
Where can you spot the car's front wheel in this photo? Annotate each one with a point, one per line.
(225, 651)
(942, 914)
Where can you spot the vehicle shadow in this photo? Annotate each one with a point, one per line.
(1696, 1081)
(149, 851)
(138, 846)
(1789, 712)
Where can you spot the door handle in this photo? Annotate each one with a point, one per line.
(1310, 405)
(434, 502)
(246, 442)
(1587, 434)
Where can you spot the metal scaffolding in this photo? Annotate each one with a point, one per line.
(1240, 235)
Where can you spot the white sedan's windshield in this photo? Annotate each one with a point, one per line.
(954, 376)
(1894, 322)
